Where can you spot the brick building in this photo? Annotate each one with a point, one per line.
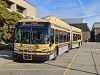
(95, 34)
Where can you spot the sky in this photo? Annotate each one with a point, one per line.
(89, 10)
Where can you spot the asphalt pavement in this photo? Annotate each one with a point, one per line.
(5, 56)
(87, 61)
(80, 61)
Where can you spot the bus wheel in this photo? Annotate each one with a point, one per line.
(79, 44)
(55, 55)
(67, 49)
(15, 60)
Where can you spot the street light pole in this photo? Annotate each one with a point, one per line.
(55, 9)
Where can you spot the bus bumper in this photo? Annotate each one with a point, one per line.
(34, 57)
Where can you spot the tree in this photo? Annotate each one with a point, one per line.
(4, 13)
(15, 17)
(3, 3)
(7, 18)
(5, 33)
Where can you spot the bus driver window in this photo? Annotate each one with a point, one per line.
(52, 36)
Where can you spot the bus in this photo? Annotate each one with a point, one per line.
(44, 38)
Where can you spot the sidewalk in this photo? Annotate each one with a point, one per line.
(87, 61)
(5, 56)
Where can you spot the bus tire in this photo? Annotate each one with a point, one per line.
(78, 45)
(67, 50)
(15, 60)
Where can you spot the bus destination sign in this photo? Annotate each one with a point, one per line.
(33, 24)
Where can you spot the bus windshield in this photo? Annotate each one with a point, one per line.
(32, 35)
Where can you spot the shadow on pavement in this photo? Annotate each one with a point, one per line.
(6, 54)
(73, 69)
(28, 61)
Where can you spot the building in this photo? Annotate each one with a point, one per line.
(95, 34)
(73, 20)
(78, 22)
(82, 26)
(22, 6)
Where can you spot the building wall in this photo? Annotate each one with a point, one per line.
(73, 20)
(92, 36)
(97, 34)
(82, 26)
(86, 36)
(28, 9)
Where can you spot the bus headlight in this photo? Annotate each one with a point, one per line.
(45, 50)
(16, 49)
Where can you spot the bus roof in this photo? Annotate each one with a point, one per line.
(50, 19)
(76, 29)
(33, 20)
(53, 19)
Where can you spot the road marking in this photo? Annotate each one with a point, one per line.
(18, 64)
(65, 72)
(97, 49)
(28, 69)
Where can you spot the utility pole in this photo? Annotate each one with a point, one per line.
(55, 9)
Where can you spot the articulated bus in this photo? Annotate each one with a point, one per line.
(44, 39)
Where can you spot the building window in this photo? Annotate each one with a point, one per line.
(20, 9)
(9, 4)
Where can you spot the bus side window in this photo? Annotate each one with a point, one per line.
(60, 36)
(80, 36)
(52, 36)
(65, 37)
(73, 37)
(56, 36)
(68, 37)
(76, 37)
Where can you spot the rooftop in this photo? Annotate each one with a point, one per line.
(73, 20)
(96, 25)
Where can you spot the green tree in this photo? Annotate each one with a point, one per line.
(5, 33)
(14, 18)
(3, 3)
(7, 18)
(4, 13)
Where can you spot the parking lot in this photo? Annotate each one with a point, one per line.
(80, 61)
